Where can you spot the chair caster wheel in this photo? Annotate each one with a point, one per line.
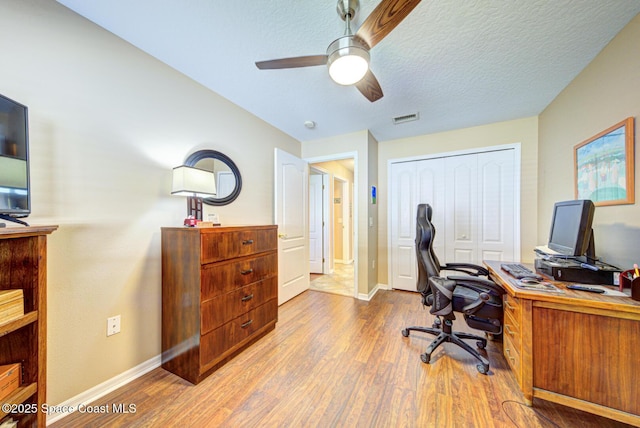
(405, 332)
(425, 358)
(482, 369)
(480, 344)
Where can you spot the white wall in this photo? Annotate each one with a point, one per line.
(108, 122)
(603, 94)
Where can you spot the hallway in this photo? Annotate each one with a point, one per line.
(341, 281)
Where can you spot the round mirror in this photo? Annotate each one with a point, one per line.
(227, 175)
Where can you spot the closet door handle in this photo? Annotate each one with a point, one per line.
(247, 298)
(246, 272)
(247, 324)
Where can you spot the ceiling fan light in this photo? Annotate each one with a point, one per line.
(348, 61)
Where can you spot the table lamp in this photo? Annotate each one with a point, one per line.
(196, 184)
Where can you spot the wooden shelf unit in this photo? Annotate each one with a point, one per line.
(23, 265)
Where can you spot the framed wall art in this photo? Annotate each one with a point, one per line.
(604, 166)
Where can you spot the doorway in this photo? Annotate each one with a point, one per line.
(336, 211)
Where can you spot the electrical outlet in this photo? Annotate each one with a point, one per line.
(113, 325)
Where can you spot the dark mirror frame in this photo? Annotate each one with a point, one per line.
(194, 157)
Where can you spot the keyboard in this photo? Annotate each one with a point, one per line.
(519, 271)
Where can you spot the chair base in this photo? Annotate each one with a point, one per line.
(445, 334)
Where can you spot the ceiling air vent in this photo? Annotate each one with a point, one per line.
(406, 118)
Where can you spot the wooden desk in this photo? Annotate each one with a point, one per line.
(578, 349)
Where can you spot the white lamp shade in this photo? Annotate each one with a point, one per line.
(189, 181)
(348, 60)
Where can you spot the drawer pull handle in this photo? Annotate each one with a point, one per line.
(246, 272)
(246, 324)
(247, 298)
(247, 242)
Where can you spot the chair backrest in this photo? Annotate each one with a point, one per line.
(428, 264)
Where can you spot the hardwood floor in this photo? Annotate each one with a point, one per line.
(335, 361)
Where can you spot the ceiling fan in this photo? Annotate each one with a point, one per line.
(348, 56)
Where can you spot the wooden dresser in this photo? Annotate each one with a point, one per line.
(219, 294)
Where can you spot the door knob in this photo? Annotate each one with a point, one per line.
(282, 236)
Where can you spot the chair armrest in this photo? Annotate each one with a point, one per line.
(479, 285)
(468, 268)
(482, 286)
(474, 307)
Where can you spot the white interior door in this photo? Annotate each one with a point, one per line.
(475, 200)
(291, 204)
(316, 234)
(327, 235)
(225, 183)
(402, 222)
(347, 219)
(430, 183)
(497, 208)
(461, 201)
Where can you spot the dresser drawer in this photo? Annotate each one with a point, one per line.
(222, 309)
(236, 243)
(512, 306)
(221, 278)
(214, 344)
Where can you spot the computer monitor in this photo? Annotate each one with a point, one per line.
(571, 234)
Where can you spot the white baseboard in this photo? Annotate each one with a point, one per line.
(368, 297)
(71, 405)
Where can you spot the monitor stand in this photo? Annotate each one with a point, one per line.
(13, 219)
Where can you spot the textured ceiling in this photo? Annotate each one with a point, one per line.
(457, 63)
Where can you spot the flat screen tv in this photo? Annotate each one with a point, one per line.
(571, 234)
(15, 200)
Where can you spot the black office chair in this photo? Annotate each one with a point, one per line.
(478, 299)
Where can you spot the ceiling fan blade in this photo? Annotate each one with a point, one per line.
(294, 62)
(369, 87)
(384, 18)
